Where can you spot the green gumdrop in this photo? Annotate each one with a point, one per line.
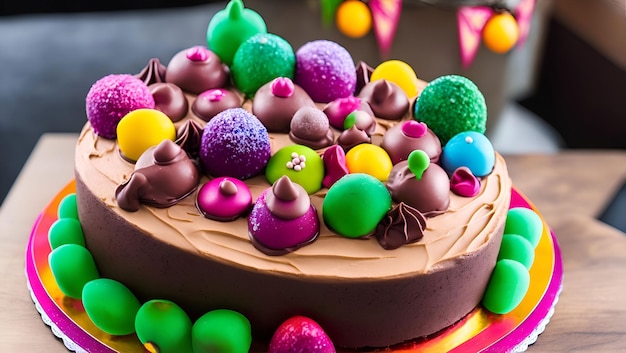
(65, 231)
(223, 331)
(516, 247)
(507, 287)
(67, 207)
(310, 177)
(111, 306)
(230, 27)
(525, 222)
(355, 204)
(418, 161)
(72, 267)
(260, 59)
(162, 326)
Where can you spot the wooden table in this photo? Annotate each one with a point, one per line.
(569, 189)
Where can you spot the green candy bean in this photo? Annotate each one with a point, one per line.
(221, 331)
(111, 306)
(72, 267)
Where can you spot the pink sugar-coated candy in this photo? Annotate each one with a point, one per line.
(338, 110)
(464, 183)
(334, 164)
(224, 199)
(112, 97)
(300, 334)
(414, 129)
(283, 87)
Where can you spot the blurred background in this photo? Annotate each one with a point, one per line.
(564, 88)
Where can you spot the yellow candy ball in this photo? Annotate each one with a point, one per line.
(501, 33)
(369, 159)
(353, 18)
(142, 129)
(398, 72)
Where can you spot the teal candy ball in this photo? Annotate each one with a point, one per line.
(162, 326)
(525, 222)
(67, 207)
(223, 331)
(507, 287)
(72, 267)
(451, 104)
(516, 247)
(260, 59)
(65, 231)
(110, 306)
(355, 204)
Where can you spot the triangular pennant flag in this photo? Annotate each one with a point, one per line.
(386, 15)
(471, 21)
(524, 16)
(329, 8)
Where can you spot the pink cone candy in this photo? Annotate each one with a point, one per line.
(300, 334)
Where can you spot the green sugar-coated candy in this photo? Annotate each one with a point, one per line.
(223, 331)
(355, 204)
(507, 287)
(163, 327)
(230, 27)
(260, 59)
(72, 267)
(516, 247)
(111, 306)
(525, 222)
(67, 207)
(450, 105)
(65, 231)
(308, 172)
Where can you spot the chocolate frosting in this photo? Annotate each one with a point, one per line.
(404, 138)
(430, 194)
(163, 176)
(352, 137)
(310, 127)
(402, 225)
(196, 70)
(387, 100)
(276, 102)
(153, 72)
(287, 200)
(189, 136)
(209, 103)
(169, 99)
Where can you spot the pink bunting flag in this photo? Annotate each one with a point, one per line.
(470, 21)
(524, 16)
(385, 15)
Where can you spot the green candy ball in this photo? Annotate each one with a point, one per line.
(450, 105)
(516, 247)
(260, 59)
(162, 326)
(355, 204)
(65, 231)
(72, 267)
(310, 177)
(223, 331)
(67, 207)
(507, 287)
(230, 27)
(111, 306)
(525, 222)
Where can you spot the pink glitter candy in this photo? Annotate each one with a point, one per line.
(300, 334)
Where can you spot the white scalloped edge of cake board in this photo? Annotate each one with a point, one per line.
(532, 338)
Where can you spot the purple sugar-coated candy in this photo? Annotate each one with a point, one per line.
(112, 97)
(234, 143)
(224, 199)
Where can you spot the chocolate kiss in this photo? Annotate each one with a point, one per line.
(287, 200)
(381, 91)
(228, 188)
(166, 152)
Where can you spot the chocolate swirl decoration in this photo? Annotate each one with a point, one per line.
(402, 225)
(153, 72)
(188, 137)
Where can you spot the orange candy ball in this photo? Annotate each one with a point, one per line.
(353, 18)
(501, 33)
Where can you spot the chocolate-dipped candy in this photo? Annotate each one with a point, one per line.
(163, 327)
(507, 287)
(300, 334)
(111, 306)
(72, 267)
(196, 70)
(402, 225)
(276, 102)
(386, 99)
(525, 222)
(420, 184)
(163, 176)
(230, 27)
(469, 149)
(112, 97)
(402, 139)
(325, 70)
(153, 72)
(310, 127)
(209, 103)
(450, 105)
(224, 199)
(283, 219)
(338, 109)
(352, 137)
(65, 231)
(363, 74)
(169, 99)
(67, 207)
(260, 59)
(398, 72)
(142, 129)
(355, 204)
(189, 137)
(221, 331)
(300, 163)
(362, 120)
(369, 159)
(335, 168)
(235, 143)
